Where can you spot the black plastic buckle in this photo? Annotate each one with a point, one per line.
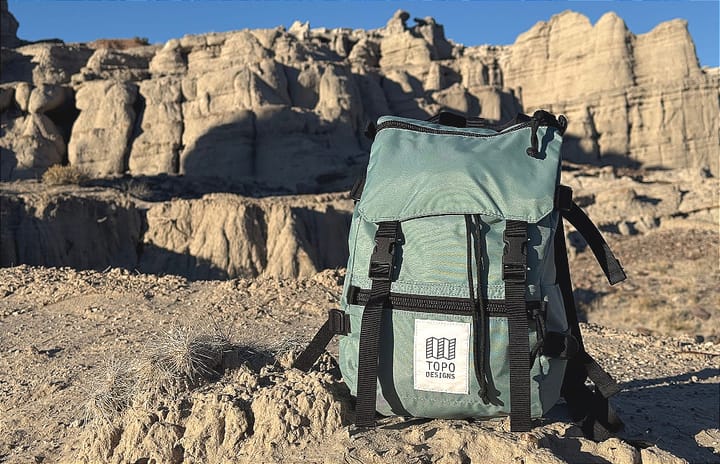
(514, 257)
(339, 322)
(382, 258)
(563, 198)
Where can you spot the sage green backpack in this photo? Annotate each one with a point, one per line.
(457, 301)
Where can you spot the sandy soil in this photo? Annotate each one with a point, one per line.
(59, 327)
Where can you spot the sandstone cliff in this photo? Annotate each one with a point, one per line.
(288, 108)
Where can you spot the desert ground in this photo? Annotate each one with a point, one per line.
(72, 339)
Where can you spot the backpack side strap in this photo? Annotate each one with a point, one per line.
(337, 323)
(588, 406)
(576, 216)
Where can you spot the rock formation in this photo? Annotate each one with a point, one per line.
(215, 237)
(287, 108)
(8, 26)
(222, 235)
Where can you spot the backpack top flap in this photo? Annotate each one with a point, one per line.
(418, 169)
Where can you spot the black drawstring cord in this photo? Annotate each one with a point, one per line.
(539, 318)
(481, 310)
(534, 124)
(479, 315)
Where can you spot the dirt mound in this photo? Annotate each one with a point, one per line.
(248, 416)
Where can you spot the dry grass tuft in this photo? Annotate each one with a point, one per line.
(110, 393)
(182, 357)
(64, 175)
(137, 189)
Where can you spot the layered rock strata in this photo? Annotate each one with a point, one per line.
(288, 108)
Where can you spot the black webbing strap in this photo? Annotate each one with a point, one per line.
(608, 262)
(381, 272)
(337, 323)
(515, 275)
(599, 420)
(357, 188)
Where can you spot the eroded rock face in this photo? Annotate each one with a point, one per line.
(288, 107)
(637, 98)
(217, 236)
(59, 228)
(223, 235)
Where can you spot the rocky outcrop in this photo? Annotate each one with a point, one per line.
(60, 228)
(224, 235)
(629, 98)
(217, 236)
(32, 141)
(287, 108)
(101, 134)
(8, 27)
(221, 235)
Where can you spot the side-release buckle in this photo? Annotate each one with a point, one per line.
(339, 322)
(514, 257)
(382, 258)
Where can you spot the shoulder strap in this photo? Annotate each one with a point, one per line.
(591, 407)
(576, 216)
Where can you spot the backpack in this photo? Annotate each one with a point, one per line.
(457, 302)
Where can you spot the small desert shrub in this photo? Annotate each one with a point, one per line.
(111, 392)
(64, 175)
(137, 189)
(182, 357)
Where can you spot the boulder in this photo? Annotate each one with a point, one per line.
(156, 150)
(30, 144)
(100, 138)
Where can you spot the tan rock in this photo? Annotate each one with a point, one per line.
(22, 95)
(64, 228)
(126, 65)
(8, 26)
(46, 98)
(157, 149)
(30, 144)
(224, 235)
(339, 98)
(50, 62)
(634, 98)
(101, 134)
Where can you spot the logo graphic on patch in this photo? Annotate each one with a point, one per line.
(441, 356)
(440, 348)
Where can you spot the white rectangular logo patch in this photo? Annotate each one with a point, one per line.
(441, 356)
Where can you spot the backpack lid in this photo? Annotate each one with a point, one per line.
(419, 169)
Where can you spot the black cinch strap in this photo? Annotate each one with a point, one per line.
(591, 407)
(609, 263)
(515, 276)
(381, 272)
(337, 323)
